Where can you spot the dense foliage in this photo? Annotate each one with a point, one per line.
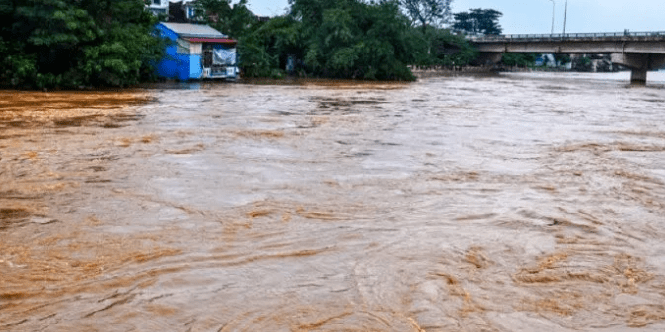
(356, 40)
(348, 39)
(71, 43)
(562, 58)
(439, 47)
(519, 59)
(74, 43)
(222, 15)
(426, 13)
(478, 21)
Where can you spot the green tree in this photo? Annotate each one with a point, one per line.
(519, 59)
(478, 21)
(452, 50)
(341, 39)
(562, 58)
(124, 53)
(428, 12)
(352, 39)
(359, 40)
(234, 20)
(265, 50)
(439, 47)
(68, 43)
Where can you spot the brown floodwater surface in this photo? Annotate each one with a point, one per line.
(517, 202)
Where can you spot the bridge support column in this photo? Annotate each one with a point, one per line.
(638, 76)
(639, 64)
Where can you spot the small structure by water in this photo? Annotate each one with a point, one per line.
(198, 52)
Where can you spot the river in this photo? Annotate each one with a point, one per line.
(516, 202)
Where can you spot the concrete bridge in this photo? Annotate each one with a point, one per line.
(639, 51)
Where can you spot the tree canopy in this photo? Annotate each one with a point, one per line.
(223, 15)
(348, 39)
(332, 38)
(73, 43)
(478, 21)
(68, 43)
(428, 12)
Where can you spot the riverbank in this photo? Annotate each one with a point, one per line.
(488, 71)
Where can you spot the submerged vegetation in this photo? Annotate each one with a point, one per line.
(74, 43)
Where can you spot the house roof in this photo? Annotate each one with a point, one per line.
(193, 30)
(213, 40)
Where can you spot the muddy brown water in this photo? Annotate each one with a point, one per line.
(519, 202)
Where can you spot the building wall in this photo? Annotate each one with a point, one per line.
(195, 66)
(164, 32)
(174, 65)
(159, 6)
(196, 48)
(183, 60)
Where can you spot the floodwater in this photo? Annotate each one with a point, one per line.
(519, 202)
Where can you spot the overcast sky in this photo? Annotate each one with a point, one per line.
(535, 16)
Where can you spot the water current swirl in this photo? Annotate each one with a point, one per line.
(515, 202)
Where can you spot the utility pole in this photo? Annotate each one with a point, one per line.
(553, 8)
(565, 16)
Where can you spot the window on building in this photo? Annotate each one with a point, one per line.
(157, 2)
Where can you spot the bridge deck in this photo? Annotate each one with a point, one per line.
(598, 36)
(617, 42)
(640, 51)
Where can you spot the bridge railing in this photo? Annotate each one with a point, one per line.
(559, 36)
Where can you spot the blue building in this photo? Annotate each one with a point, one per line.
(198, 52)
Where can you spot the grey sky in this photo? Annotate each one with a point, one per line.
(535, 16)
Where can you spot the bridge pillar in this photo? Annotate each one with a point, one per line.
(638, 76)
(639, 64)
